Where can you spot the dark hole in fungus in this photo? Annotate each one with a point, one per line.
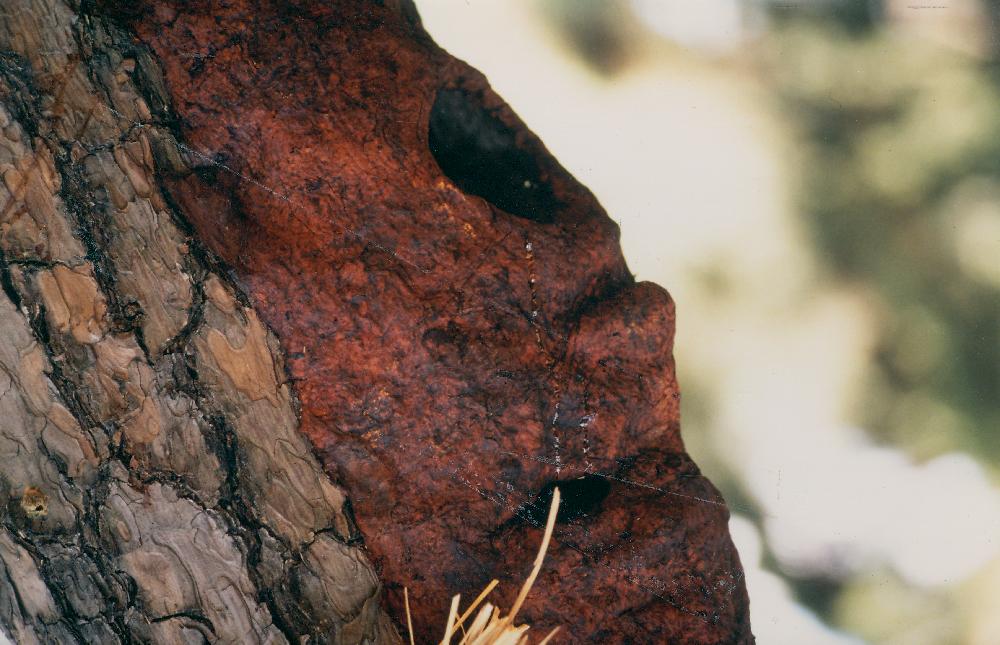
(579, 497)
(479, 153)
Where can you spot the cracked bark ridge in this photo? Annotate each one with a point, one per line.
(457, 317)
(154, 484)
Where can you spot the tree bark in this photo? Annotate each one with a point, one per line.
(155, 483)
(257, 257)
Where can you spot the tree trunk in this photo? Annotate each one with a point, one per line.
(257, 258)
(156, 485)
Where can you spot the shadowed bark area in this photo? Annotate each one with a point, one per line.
(189, 185)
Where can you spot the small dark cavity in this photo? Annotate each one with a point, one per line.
(445, 341)
(478, 152)
(578, 498)
(196, 67)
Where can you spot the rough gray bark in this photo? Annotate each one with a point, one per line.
(154, 485)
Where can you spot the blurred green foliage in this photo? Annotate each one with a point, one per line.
(899, 177)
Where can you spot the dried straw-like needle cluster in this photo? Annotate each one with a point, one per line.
(490, 627)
